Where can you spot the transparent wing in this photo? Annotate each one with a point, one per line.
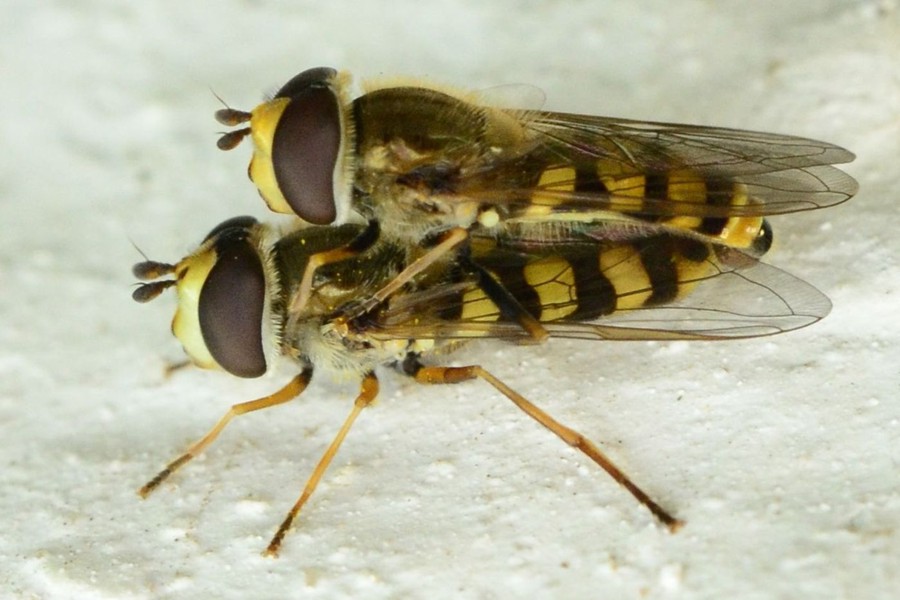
(731, 295)
(627, 163)
(522, 98)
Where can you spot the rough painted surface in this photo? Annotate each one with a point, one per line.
(781, 454)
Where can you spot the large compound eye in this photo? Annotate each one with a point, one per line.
(244, 222)
(317, 77)
(230, 308)
(306, 147)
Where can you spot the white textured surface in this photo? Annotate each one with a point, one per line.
(781, 454)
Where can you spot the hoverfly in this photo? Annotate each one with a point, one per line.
(235, 310)
(423, 165)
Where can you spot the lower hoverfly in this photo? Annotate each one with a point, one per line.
(421, 163)
(235, 311)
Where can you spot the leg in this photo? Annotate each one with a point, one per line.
(367, 393)
(424, 374)
(510, 308)
(293, 389)
(171, 368)
(357, 246)
(451, 239)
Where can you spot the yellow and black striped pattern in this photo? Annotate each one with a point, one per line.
(582, 283)
(637, 195)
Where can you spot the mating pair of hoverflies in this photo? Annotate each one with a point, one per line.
(426, 218)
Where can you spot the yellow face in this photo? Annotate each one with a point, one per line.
(224, 289)
(263, 123)
(191, 273)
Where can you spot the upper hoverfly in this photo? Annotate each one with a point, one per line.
(235, 311)
(422, 165)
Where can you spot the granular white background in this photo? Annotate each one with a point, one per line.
(780, 453)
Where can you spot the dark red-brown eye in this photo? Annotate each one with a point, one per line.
(230, 308)
(305, 151)
(317, 77)
(244, 223)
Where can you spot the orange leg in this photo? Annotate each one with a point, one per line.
(293, 389)
(367, 393)
(573, 438)
(449, 240)
(320, 259)
(362, 242)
